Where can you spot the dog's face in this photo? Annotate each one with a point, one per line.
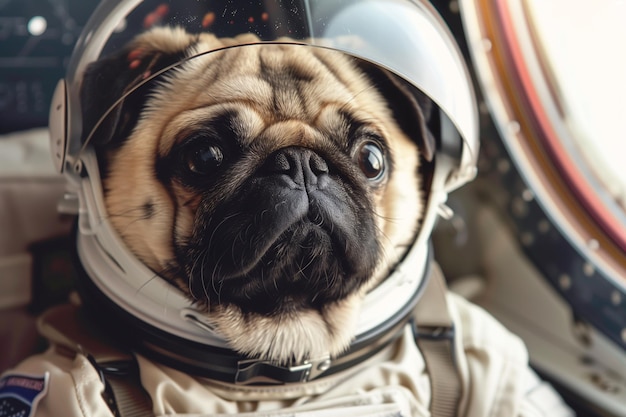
(273, 184)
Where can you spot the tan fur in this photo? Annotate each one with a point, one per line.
(197, 89)
(301, 335)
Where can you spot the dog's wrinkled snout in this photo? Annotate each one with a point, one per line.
(302, 165)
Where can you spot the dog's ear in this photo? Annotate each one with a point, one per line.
(411, 108)
(107, 80)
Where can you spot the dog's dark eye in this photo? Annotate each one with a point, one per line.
(371, 160)
(204, 159)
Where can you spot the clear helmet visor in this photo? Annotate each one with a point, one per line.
(404, 37)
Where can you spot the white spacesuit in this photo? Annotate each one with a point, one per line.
(83, 375)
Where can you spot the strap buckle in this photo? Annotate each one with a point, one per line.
(433, 332)
(437, 345)
(252, 371)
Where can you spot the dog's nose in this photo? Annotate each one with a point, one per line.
(302, 165)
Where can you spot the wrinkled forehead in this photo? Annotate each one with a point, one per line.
(285, 81)
(249, 88)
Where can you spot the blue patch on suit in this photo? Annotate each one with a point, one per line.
(19, 394)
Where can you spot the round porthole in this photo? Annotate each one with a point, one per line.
(552, 76)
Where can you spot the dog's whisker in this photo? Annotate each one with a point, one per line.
(262, 277)
(275, 283)
(204, 286)
(389, 219)
(219, 292)
(383, 248)
(233, 249)
(194, 265)
(224, 220)
(215, 277)
(192, 272)
(202, 258)
(306, 266)
(190, 287)
(327, 283)
(191, 278)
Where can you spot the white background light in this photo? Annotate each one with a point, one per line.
(37, 25)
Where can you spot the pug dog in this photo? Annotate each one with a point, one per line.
(273, 184)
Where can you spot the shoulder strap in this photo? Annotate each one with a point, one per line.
(129, 397)
(435, 337)
(66, 327)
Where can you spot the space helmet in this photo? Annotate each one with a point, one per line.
(552, 86)
(404, 37)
